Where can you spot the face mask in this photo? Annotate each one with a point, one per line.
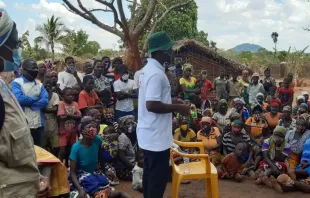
(235, 130)
(71, 67)
(274, 111)
(184, 127)
(125, 77)
(12, 66)
(32, 73)
(130, 128)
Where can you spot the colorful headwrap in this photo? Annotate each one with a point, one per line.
(239, 101)
(237, 122)
(280, 130)
(274, 104)
(287, 108)
(6, 26)
(187, 66)
(123, 120)
(222, 102)
(206, 119)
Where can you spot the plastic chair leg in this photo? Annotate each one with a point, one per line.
(215, 186)
(209, 187)
(176, 187)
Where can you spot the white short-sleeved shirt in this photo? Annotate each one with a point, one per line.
(127, 104)
(154, 131)
(66, 79)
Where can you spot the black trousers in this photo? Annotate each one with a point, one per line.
(37, 135)
(155, 173)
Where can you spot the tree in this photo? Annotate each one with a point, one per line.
(202, 37)
(51, 33)
(129, 30)
(77, 44)
(213, 45)
(274, 37)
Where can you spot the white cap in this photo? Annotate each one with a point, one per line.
(304, 93)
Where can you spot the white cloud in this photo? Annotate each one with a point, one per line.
(234, 22)
(2, 4)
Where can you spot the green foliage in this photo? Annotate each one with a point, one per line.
(52, 32)
(77, 44)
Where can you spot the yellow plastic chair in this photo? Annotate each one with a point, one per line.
(203, 169)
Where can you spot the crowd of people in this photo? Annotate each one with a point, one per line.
(86, 122)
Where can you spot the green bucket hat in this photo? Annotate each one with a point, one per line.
(159, 41)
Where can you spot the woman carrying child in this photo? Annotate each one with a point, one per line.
(295, 140)
(275, 153)
(84, 158)
(211, 140)
(126, 151)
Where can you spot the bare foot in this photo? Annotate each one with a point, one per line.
(266, 181)
(276, 185)
(258, 181)
(255, 176)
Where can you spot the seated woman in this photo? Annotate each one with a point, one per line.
(257, 127)
(211, 139)
(284, 183)
(57, 174)
(275, 153)
(126, 151)
(295, 140)
(241, 109)
(302, 109)
(287, 121)
(85, 154)
(273, 116)
(222, 116)
(299, 101)
(185, 134)
(208, 113)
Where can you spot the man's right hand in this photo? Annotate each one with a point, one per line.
(82, 194)
(184, 109)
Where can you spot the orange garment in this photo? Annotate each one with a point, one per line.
(272, 121)
(293, 160)
(209, 142)
(256, 128)
(59, 174)
(231, 164)
(87, 100)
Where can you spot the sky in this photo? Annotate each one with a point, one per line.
(227, 22)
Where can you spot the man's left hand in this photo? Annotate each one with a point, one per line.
(177, 101)
(44, 187)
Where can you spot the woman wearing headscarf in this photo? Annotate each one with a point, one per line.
(222, 115)
(273, 116)
(286, 120)
(259, 100)
(299, 100)
(211, 140)
(188, 82)
(295, 140)
(241, 109)
(126, 151)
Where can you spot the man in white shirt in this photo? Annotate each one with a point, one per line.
(254, 88)
(70, 76)
(155, 109)
(126, 90)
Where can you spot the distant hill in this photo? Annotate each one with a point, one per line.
(246, 47)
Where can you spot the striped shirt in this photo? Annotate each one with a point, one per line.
(230, 145)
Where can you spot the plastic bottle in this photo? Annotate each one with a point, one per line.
(186, 161)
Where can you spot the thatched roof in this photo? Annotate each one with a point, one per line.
(210, 52)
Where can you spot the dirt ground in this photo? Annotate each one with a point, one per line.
(227, 189)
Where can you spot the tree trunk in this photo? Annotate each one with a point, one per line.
(132, 53)
(53, 52)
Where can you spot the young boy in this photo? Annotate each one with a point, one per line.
(50, 117)
(126, 91)
(233, 164)
(275, 152)
(286, 94)
(88, 98)
(69, 116)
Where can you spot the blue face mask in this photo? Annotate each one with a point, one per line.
(71, 67)
(13, 66)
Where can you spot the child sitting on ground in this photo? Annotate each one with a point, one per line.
(110, 152)
(275, 153)
(233, 164)
(137, 173)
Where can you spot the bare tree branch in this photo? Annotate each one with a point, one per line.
(147, 17)
(133, 8)
(90, 17)
(122, 14)
(162, 17)
(112, 7)
(104, 10)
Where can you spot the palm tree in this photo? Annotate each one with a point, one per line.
(274, 37)
(51, 33)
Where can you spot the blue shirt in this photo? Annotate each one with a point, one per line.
(306, 153)
(28, 101)
(86, 158)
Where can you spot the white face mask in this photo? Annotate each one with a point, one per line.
(125, 77)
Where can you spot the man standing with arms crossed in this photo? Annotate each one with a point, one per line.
(155, 108)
